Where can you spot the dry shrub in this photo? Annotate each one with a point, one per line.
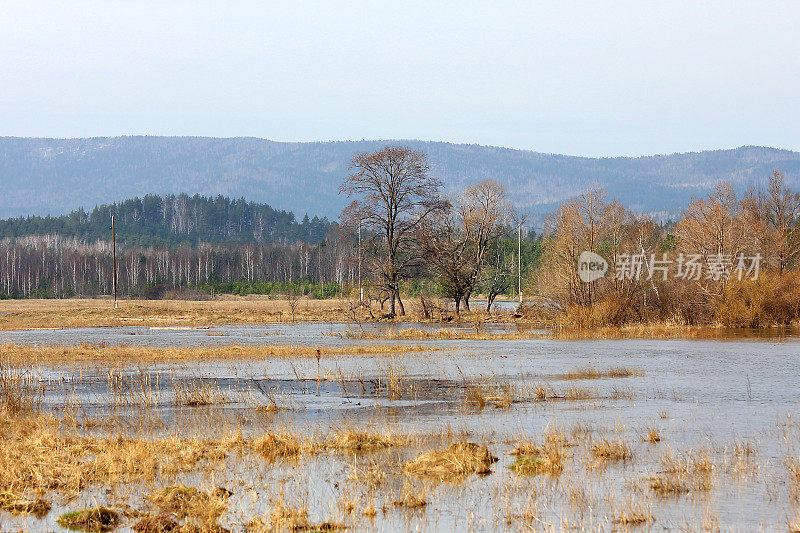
(768, 300)
(96, 519)
(604, 313)
(456, 462)
(185, 502)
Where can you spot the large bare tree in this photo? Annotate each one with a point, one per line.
(393, 194)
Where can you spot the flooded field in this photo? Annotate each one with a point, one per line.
(443, 435)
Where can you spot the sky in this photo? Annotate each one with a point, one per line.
(580, 78)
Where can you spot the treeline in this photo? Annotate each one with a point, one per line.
(55, 267)
(172, 220)
(729, 260)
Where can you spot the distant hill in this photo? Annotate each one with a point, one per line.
(171, 220)
(41, 176)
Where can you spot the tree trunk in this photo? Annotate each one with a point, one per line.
(400, 303)
(391, 303)
(489, 301)
(466, 301)
(458, 304)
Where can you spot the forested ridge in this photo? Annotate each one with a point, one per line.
(170, 220)
(54, 176)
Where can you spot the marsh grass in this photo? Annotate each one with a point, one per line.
(500, 395)
(590, 372)
(681, 473)
(634, 513)
(605, 449)
(652, 435)
(412, 496)
(272, 446)
(196, 393)
(360, 441)
(13, 504)
(454, 463)
(190, 502)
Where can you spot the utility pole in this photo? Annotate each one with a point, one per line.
(519, 261)
(360, 287)
(114, 260)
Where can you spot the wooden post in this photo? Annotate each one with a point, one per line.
(519, 261)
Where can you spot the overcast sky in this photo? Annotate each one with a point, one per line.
(593, 78)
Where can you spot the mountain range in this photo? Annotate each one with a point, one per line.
(54, 176)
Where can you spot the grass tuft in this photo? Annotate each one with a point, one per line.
(96, 519)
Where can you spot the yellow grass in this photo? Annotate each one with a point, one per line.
(28, 354)
(454, 463)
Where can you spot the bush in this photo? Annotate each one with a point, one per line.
(767, 301)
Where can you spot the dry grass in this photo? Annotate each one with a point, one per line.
(653, 435)
(634, 514)
(100, 312)
(13, 504)
(454, 463)
(590, 372)
(442, 334)
(191, 502)
(357, 441)
(126, 354)
(226, 309)
(284, 517)
(160, 523)
(611, 450)
(40, 453)
(498, 395)
(547, 458)
(577, 393)
(274, 446)
(196, 393)
(682, 473)
(411, 497)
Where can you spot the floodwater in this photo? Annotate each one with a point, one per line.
(709, 395)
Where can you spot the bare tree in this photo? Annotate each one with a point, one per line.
(497, 276)
(457, 241)
(713, 225)
(772, 217)
(293, 297)
(394, 195)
